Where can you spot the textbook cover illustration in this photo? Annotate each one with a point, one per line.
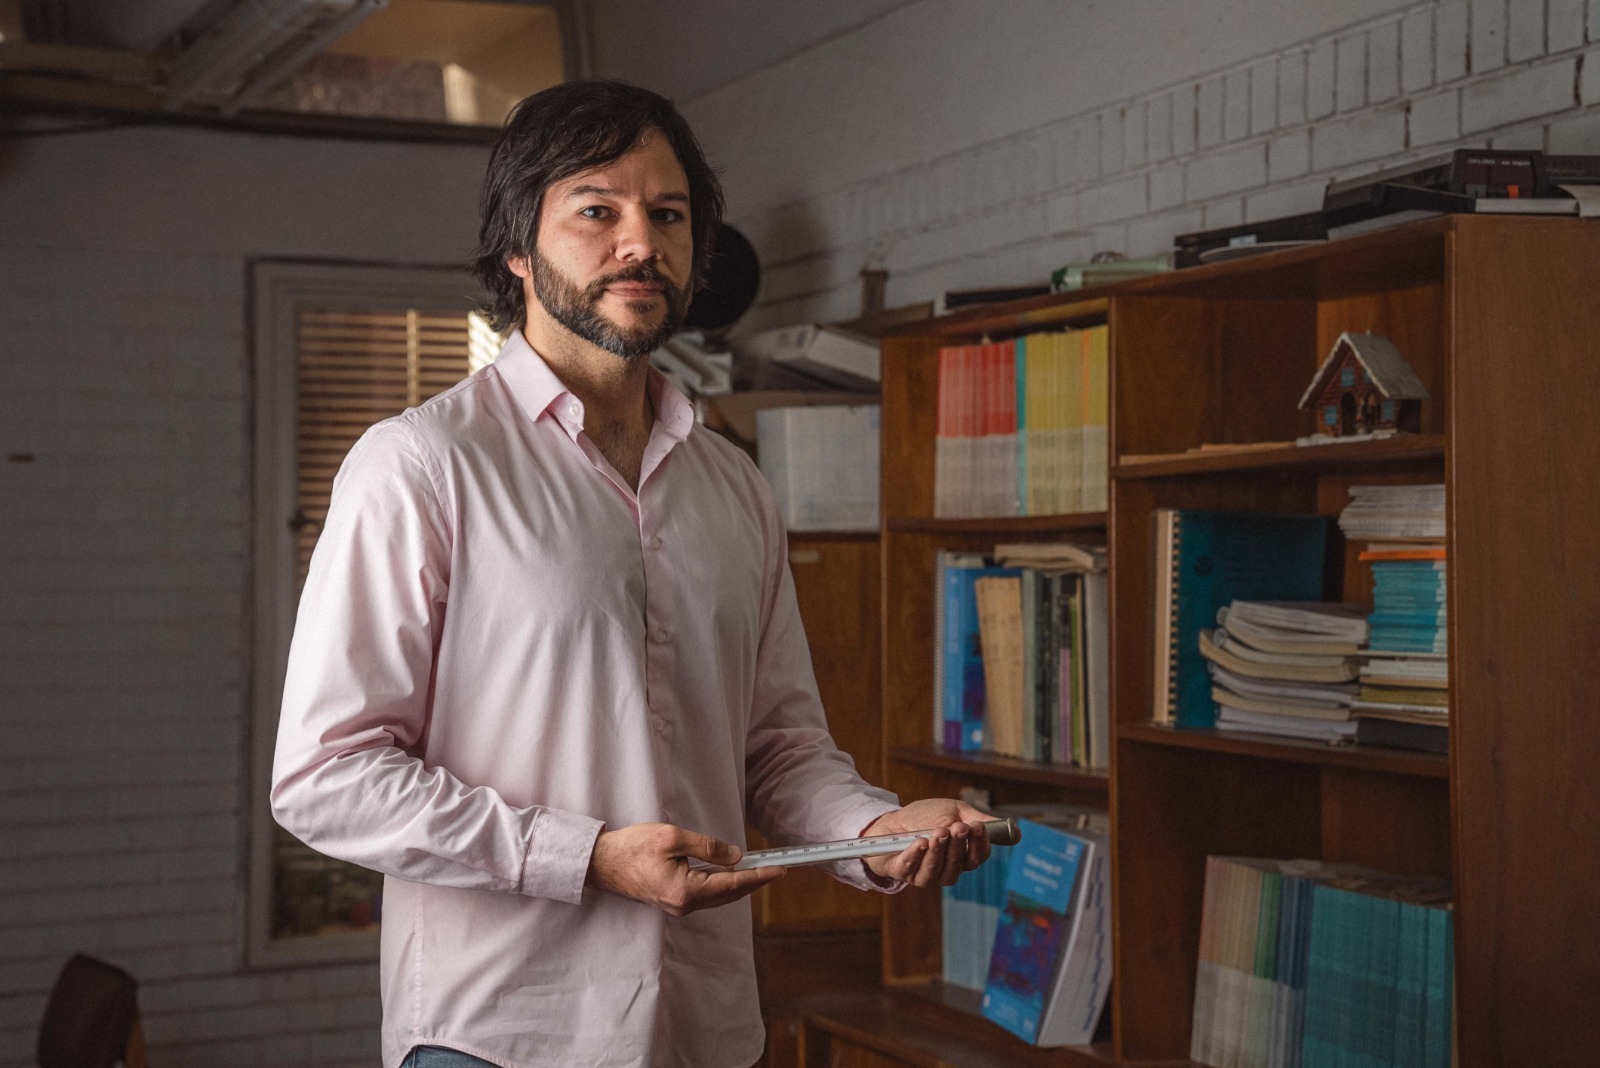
(1035, 928)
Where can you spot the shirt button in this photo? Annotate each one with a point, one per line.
(659, 635)
(658, 723)
(572, 410)
(655, 542)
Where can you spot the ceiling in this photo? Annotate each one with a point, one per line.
(483, 54)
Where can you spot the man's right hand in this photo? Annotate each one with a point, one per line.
(649, 862)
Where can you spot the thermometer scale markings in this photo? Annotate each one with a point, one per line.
(1000, 832)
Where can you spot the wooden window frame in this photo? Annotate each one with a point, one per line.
(277, 289)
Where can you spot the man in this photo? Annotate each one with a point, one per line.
(548, 649)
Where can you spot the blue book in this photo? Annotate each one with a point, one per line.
(1216, 558)
(971, 914)
(961, 685)
(1034, 933)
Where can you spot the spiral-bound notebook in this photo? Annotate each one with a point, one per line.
(1205, 560)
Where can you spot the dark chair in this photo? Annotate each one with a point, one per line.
(92, 1018)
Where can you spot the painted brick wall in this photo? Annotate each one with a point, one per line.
(1258, 138)
(124, 477)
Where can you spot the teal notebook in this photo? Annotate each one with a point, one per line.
(1218, 558)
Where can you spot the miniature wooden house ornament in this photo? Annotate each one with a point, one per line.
(1364, 389)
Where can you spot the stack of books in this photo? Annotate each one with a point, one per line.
(1394, 513)
(1021, 426)
(1309, 964)
(1405, 683)
(1404, 697)
(1021, 654)
(1285, 668)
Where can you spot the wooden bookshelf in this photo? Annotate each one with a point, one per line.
(1497, 316)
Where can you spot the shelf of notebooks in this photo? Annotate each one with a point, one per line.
(950, 508)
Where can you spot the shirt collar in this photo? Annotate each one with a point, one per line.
(538, 391)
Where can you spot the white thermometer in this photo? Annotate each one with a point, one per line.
(1000, 832)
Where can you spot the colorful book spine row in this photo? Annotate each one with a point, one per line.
(1021, 426)
(1308, 965)
(1021, 662)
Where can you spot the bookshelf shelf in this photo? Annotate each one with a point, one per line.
(1291, 750)
(999, 528)
(1085, 307)
(914, 1025)
(990, 766)
(1399, 450)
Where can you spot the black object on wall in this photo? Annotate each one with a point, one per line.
(732, 278)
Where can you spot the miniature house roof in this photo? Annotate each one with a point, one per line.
(1384, 365)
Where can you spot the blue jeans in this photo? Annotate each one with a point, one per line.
(440, 1057)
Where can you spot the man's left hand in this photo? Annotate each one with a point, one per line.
(960, 845)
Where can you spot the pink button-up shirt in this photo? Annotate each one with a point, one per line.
(501, 648)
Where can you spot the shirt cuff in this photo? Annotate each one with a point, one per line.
(855, 872)
(559, 847)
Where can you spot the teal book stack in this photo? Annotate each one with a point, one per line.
(1311, 965)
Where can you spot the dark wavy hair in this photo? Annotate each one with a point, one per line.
(563, 131)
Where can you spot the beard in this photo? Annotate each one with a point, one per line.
(578, 309)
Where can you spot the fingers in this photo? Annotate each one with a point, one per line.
(724, 888)
(940, 860)
(708, 848)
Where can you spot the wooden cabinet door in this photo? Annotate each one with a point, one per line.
(836, 584)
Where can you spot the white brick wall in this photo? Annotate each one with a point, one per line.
(1260, 137)
(123, 563)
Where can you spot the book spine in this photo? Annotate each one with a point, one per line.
(1024, 430)
(1006, 448)
(944, 435)
(1170, 623)
(1096, 457)
(1072, 424)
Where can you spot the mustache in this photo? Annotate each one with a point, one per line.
(647, 273)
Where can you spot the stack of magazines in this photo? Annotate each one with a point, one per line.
(1394, 512)
(1286, 668)
(1405, 697)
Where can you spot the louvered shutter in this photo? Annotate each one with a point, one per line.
(355, 367)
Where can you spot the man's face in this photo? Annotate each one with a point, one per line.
(614, 252)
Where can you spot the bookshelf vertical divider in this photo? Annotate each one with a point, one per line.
(1498, 317)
